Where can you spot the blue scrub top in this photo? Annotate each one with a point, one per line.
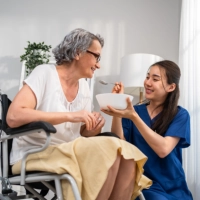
(166, 173)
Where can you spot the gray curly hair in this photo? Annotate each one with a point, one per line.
(77, 41)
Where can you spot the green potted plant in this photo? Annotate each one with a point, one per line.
(35, 54)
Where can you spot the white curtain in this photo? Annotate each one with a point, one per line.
(189, 62)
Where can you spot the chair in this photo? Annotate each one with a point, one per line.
(141, 196)
(35, 180)
(31, 181)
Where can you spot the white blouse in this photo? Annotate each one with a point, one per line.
(45, 83)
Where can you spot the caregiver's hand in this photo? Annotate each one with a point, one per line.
(129, 112)
(118, 88)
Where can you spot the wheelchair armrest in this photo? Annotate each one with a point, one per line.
(47, 127)
(30, 128)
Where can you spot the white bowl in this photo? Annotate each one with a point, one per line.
(117, 101)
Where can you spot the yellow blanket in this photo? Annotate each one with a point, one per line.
(88, 161)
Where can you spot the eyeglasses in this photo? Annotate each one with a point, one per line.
(97, 56)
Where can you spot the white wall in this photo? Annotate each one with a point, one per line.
(128, 26)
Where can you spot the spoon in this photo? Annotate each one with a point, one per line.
(105, 83)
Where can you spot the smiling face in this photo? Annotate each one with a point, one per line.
(156, 86)
(87, 62)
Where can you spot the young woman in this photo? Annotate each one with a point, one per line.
(160, 129)
(103, 167)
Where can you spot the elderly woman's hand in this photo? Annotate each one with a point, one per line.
(87, 130)
(100, 121)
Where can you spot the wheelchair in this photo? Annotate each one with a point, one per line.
(31, 181)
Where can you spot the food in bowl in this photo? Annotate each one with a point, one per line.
(117, 101)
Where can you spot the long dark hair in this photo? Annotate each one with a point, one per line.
(170, 104)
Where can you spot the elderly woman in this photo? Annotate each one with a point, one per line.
(103, 167)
